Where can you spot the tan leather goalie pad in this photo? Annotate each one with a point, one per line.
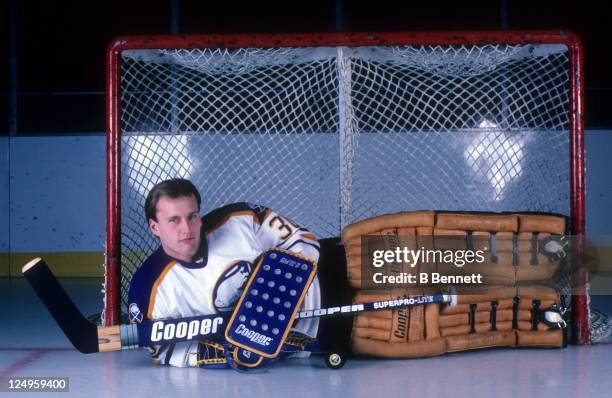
(408, 226)
(500, 313)
(509, 243)
(403, 333)
(495, 317)
(541, 336)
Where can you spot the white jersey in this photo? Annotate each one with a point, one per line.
(232, 238)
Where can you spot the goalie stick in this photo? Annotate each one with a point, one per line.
(89, 338)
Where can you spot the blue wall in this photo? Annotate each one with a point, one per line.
(57, 194)
(4, 195)
(598, 145)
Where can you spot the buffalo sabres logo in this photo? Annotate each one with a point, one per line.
(246, 358)
(229, 287)
(135, 314)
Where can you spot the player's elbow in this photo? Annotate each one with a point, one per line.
(309, 248)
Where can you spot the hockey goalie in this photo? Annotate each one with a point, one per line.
(202, 266)
(251, 278)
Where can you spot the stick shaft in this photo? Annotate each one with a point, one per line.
(381, 305)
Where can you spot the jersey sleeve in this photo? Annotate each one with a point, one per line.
(140, 293)
(274, 230)
(141, 306)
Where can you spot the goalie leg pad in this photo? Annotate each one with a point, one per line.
(270, 301)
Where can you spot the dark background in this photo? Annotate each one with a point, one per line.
(60, 45)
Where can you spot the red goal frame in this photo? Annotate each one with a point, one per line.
(113, 117)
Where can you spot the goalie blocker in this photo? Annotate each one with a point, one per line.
(269, 303)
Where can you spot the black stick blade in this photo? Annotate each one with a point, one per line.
(82, 334)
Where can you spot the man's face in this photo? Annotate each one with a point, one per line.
(178, 226)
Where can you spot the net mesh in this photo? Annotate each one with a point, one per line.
(329, 136)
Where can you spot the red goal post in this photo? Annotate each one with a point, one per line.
(376, 82)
